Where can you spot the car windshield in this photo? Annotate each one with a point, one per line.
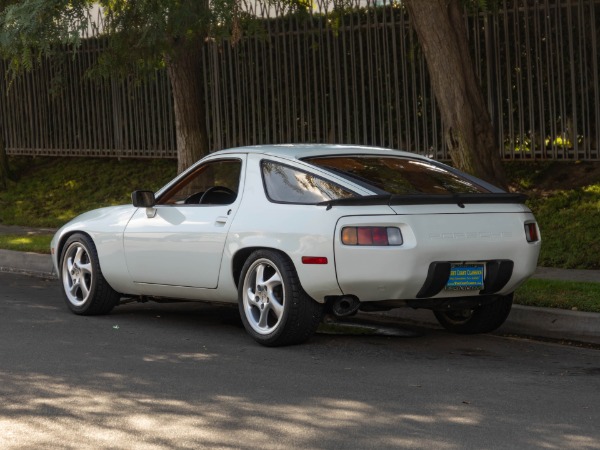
(398, 176)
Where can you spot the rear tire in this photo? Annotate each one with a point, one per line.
(274, 308)
(86, 291)
(483, 319)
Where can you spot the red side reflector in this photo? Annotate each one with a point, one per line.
(531, 233)
(314, 260)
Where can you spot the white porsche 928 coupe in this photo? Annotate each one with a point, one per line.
(291, 231)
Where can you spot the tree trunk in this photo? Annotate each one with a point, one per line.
(470, 134)
(4, 169)
(186, 73)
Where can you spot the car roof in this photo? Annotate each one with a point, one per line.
(300, 151)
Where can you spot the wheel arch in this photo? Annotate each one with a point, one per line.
(60, 247)
(274, 308)
(240, 257)
(85, 289)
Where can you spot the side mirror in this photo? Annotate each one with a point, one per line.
(143, 199)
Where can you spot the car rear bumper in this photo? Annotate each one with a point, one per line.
(419, 269)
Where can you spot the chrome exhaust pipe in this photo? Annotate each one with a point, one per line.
(345, 306)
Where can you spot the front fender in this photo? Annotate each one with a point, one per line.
(105, 226)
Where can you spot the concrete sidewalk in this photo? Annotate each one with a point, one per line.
(524, 321)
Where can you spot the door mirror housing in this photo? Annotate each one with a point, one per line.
(143, 199)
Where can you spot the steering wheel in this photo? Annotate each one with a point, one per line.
(194, 198)
(217, 190)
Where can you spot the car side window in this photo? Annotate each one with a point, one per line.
(285, 184)
(212, 183)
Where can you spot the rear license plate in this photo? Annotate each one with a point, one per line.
(466, 277)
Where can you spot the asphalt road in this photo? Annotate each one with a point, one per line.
(186, 376)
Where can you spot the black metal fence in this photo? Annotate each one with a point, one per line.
(351, 75)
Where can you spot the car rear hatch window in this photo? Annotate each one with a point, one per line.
(398, 176)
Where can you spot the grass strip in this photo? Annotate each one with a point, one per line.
(37, 243)
(572, 295)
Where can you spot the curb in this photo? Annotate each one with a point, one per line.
(548, 323)
(26, 263)
(553, 323)
(577, 275)
(528, 321)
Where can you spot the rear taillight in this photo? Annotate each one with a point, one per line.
(378, 236)
(531, 232)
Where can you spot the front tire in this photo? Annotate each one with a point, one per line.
(86, 291)
(274, 308)
(482, 319)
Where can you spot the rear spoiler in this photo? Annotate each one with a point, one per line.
(427, 199)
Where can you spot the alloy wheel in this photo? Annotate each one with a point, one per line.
(77, 274)
(263, 296)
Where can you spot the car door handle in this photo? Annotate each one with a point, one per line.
(222, 219)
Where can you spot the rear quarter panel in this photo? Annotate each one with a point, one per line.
(296, 230)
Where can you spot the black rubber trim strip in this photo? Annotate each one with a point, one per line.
(498, 272)
(427, 199)
(437, 277)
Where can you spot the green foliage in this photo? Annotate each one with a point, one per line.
(139, 34)
(565, 198)
(526, 176)
(30, 29)
(54, 190)
(569, 222)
